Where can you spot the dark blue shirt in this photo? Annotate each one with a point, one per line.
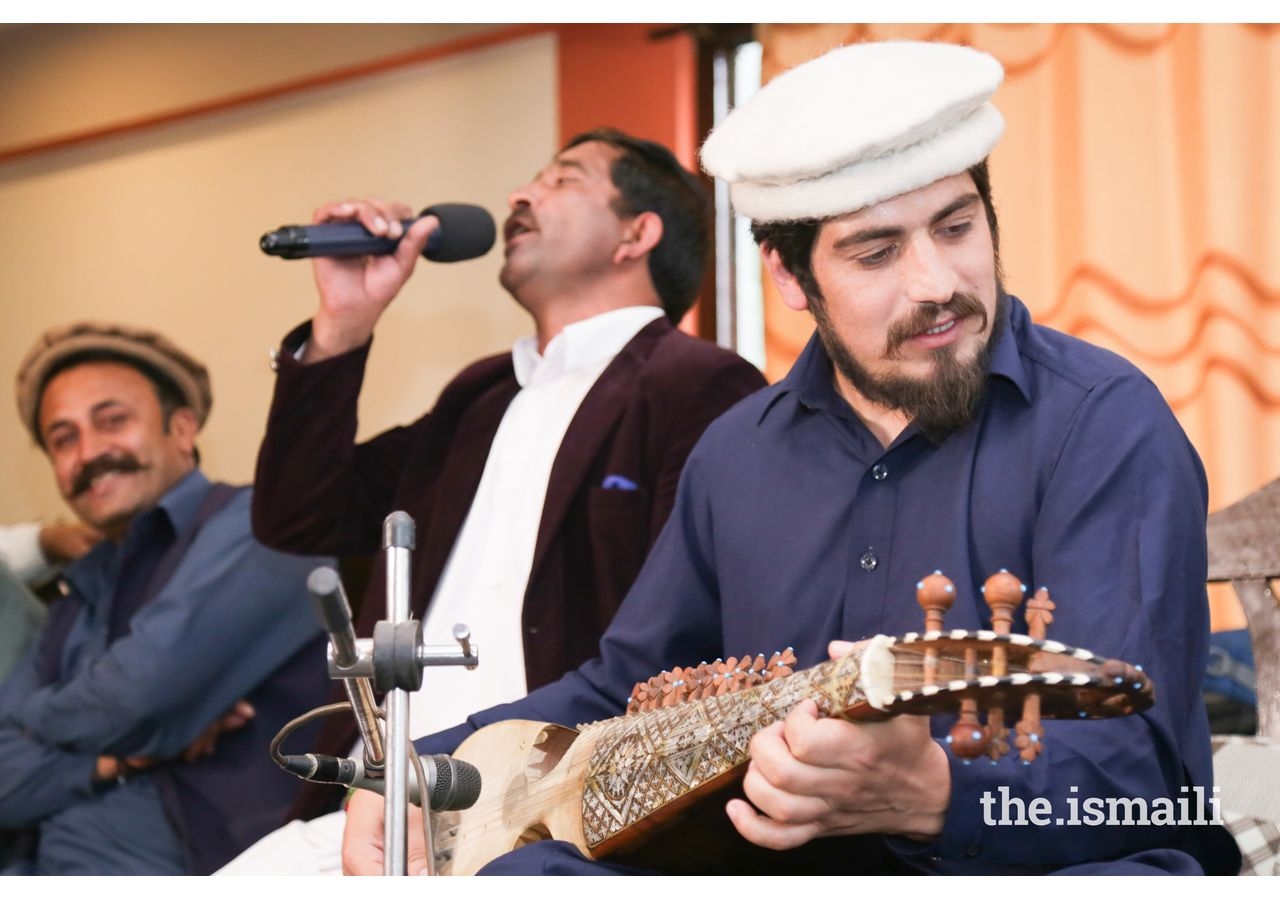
(229, 615)
(793, 526)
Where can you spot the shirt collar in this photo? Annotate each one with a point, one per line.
(812, 381)
(580, 344)
(1006, 359)
(182, 501)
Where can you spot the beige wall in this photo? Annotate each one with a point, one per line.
(161, 228)
(61, 79)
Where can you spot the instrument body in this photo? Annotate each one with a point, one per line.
(649, 787)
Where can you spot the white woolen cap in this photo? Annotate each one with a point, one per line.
(858, 125)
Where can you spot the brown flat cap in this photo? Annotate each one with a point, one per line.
(188, 375)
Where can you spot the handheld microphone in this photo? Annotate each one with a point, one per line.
(466, 231)
(451, 783)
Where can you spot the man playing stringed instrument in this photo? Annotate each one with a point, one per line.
(929, 424)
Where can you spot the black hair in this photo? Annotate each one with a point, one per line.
(650, 179)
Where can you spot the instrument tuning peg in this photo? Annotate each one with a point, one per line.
(969, 738)
(1003, 593)
(935, 593)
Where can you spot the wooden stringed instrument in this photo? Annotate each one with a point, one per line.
(649, 786)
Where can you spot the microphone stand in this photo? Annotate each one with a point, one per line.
(390, 663)
(397, 657)
(398, 541)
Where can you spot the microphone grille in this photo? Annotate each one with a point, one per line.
(467, 791)
(456, 784)
(466, 231)
(442, 783)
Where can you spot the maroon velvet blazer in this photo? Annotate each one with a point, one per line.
(316, 491)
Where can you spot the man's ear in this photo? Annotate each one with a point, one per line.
(639, 236)
(184, 425)
(792, 294)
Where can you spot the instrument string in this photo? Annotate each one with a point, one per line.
(521, 801)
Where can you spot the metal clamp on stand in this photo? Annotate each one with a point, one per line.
(390, 663)
(399, 656)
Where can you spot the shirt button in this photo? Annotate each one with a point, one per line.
(879, 472)
(869, 561)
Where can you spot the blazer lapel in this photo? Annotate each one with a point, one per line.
(600, 410)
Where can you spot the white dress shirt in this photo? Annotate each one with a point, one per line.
(485, 579)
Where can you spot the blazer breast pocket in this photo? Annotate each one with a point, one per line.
(619, 522)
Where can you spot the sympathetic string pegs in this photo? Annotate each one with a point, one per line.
(1030, 733)
(1029, 737)
(708, 680)
(1040, 614)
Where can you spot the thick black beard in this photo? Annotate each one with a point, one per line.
(945, 401)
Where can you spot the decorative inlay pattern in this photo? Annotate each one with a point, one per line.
(643, 762)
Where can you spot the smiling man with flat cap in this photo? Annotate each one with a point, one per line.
(928, 424)
(135, 733)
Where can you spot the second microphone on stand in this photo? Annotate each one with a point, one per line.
(451, 783)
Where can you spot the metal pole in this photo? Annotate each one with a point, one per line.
(398, 541)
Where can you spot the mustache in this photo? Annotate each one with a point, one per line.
(120, 462)
(521, 217)
(925, 316)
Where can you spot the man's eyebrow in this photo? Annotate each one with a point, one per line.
(865, 235)
(103, 405)
(879, 234)
(569, 164)
(954, 207)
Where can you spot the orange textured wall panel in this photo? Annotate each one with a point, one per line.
(621, 75)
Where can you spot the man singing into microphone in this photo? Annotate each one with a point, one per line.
(543, 475)
(134, 734)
